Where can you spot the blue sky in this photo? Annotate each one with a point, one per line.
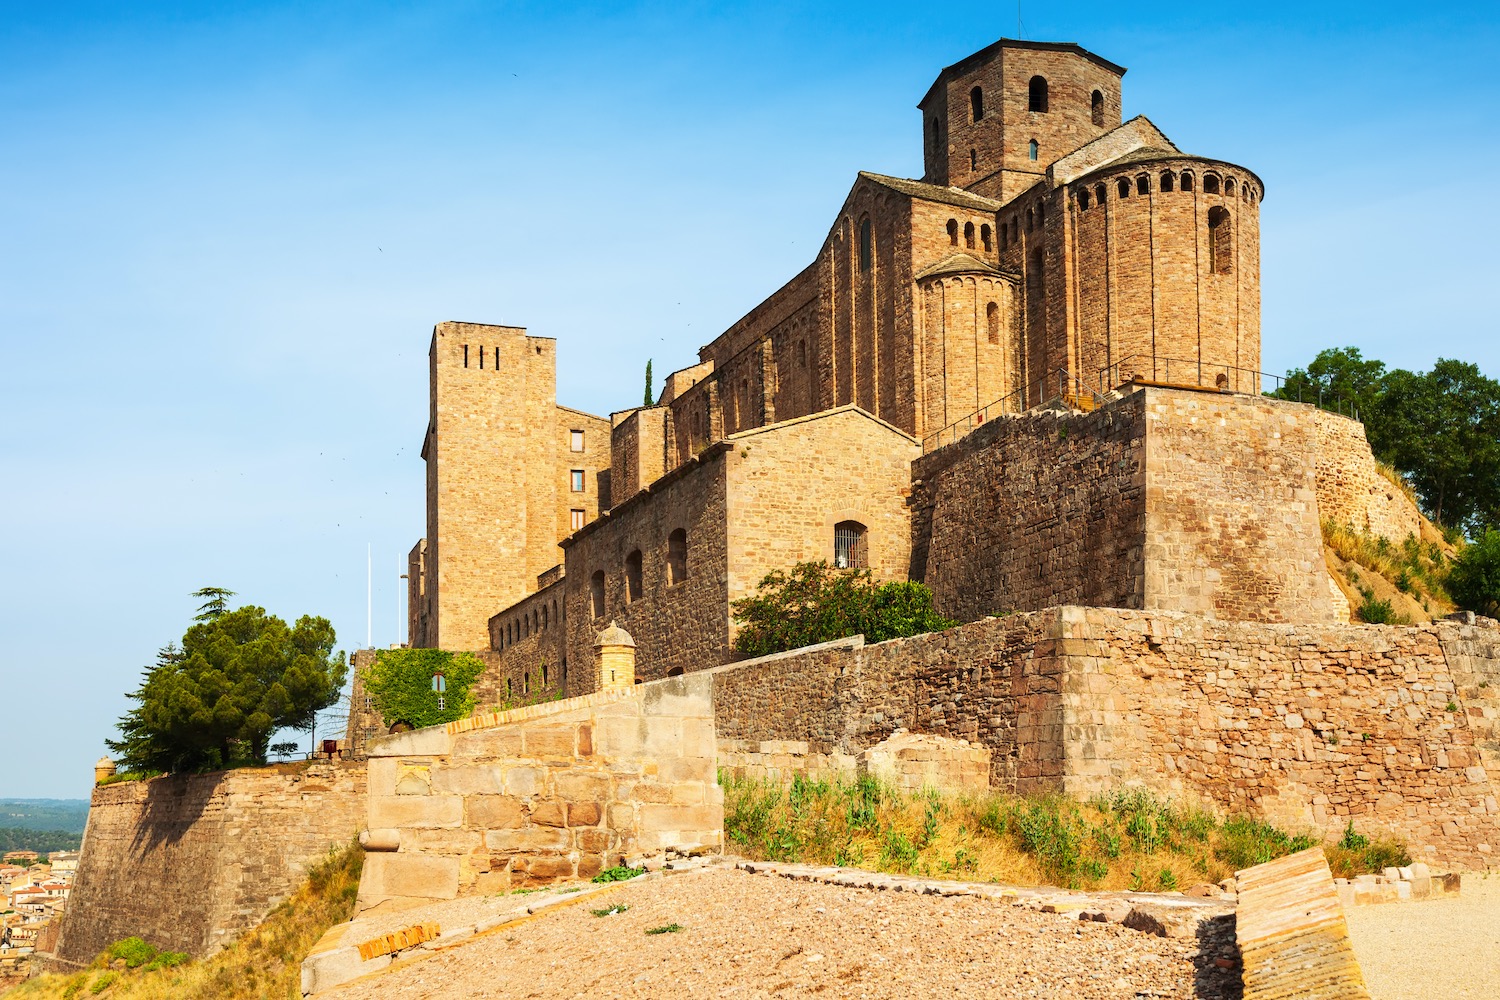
(227, 230)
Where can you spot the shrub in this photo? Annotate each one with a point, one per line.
(133, 950)
(1376, 612)
(400, 684)
(1246, 842)
(1474, 579)
(815, 603)
(619, 873)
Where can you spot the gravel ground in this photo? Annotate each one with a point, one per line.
(756, 937)
(1441, 949)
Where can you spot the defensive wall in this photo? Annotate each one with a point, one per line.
(188, 862)
(1351, 489)
(1162, 499)
(519, 798)
(1310, 725)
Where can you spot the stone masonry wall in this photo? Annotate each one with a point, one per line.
(522, 798)
(1232, 526)
(1351, 490)
(1310, 726)
(1034, 510)
(188, 862)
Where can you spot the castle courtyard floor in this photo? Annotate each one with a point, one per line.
(745, 936)
(1441, 949)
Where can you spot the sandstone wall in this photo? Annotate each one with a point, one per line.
(1034, 510)
(521, 798)
(1232, 526)
(528, 655)
(1351, 490)
(1310, 726)
(190, 861)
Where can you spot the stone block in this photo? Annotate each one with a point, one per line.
(325, 970)
(433, 741)
(549, 813)
(416, 811)
(620, 738)
(543, 838)
(576, 785)
(413, 875)
(583, 813)
(474, 779)
(525, 781)
(594, 840)
(550, 741)
(494, 812)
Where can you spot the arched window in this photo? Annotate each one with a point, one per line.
(802, 353)
(1099, 194)
(1038, 94)
(1096, 107)
(976, 103)
(1229, 187)
(1210, 183)
(1220, 238)
(596, 594)
(969, 235)
(1187, 180)
(677, 569)
(1041, 213)
(992, 320)
(544, 675)
(633, 577)
(1142, 185)
(546, 620)
(1030, 220)
(1083, 199)
(525, 626)
(864, 243)
(953, 232)
(986, 238)
(849, 545)
(1166, 180)
(973, 159)
(1034, 150)
(1122, 187)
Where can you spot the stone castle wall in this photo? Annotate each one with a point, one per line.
(1311, 726)
(554, 791)
(1351, 490)
(188, 862)
(1034, 510)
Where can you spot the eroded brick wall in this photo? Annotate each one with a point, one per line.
(538, 794)
(188, 862)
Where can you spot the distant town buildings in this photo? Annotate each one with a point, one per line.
(32, 899)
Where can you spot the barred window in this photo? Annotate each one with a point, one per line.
(849, 545)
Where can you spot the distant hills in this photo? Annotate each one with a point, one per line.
(42, 824)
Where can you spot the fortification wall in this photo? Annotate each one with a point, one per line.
(188, 862)
(1232, 526)
(1311, 726)
(1351, 489)
(1034, 510)
(525, 797)
(528, 655)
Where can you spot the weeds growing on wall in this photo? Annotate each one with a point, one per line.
(264, 962)
(400, 684)
(1127, 840)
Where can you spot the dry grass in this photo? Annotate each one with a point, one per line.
(1394, 584)
(263, 963)
(1129, 840)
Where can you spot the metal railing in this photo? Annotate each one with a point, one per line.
(1068, 387)
(1225, 378)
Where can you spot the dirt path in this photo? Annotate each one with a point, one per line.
(1444, 949)
(756, 937)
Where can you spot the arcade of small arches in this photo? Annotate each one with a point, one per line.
(1167, 182)
(986, 235)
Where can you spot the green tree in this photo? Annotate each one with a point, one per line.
(816, 603)
(650, 396)
(1474, 579)
(399, 682)
(215, 603)
(240, 676)
(1339, 377)
(1442, 430)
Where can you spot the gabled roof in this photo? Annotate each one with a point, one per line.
(934, 192)
(961, 263)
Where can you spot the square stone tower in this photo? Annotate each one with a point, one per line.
(994, 121)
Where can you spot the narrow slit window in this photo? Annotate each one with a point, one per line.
(953, 232)
(1037, 94)
(986, 238)
(969, 235)
(976, 103)
(466, 355)
(864, 244)
(992, 321)
(677, 569)
(973, 159)
(1096, 107)
(481, 357)
(633, 577)
(1034, 150)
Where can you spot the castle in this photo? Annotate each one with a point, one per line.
(1027, 379)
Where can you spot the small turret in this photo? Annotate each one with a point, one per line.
(614, 653)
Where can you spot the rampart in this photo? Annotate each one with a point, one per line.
(1351, 490)
(1165, 499)
(188, 862)
(1310, 726)
(514, 799)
